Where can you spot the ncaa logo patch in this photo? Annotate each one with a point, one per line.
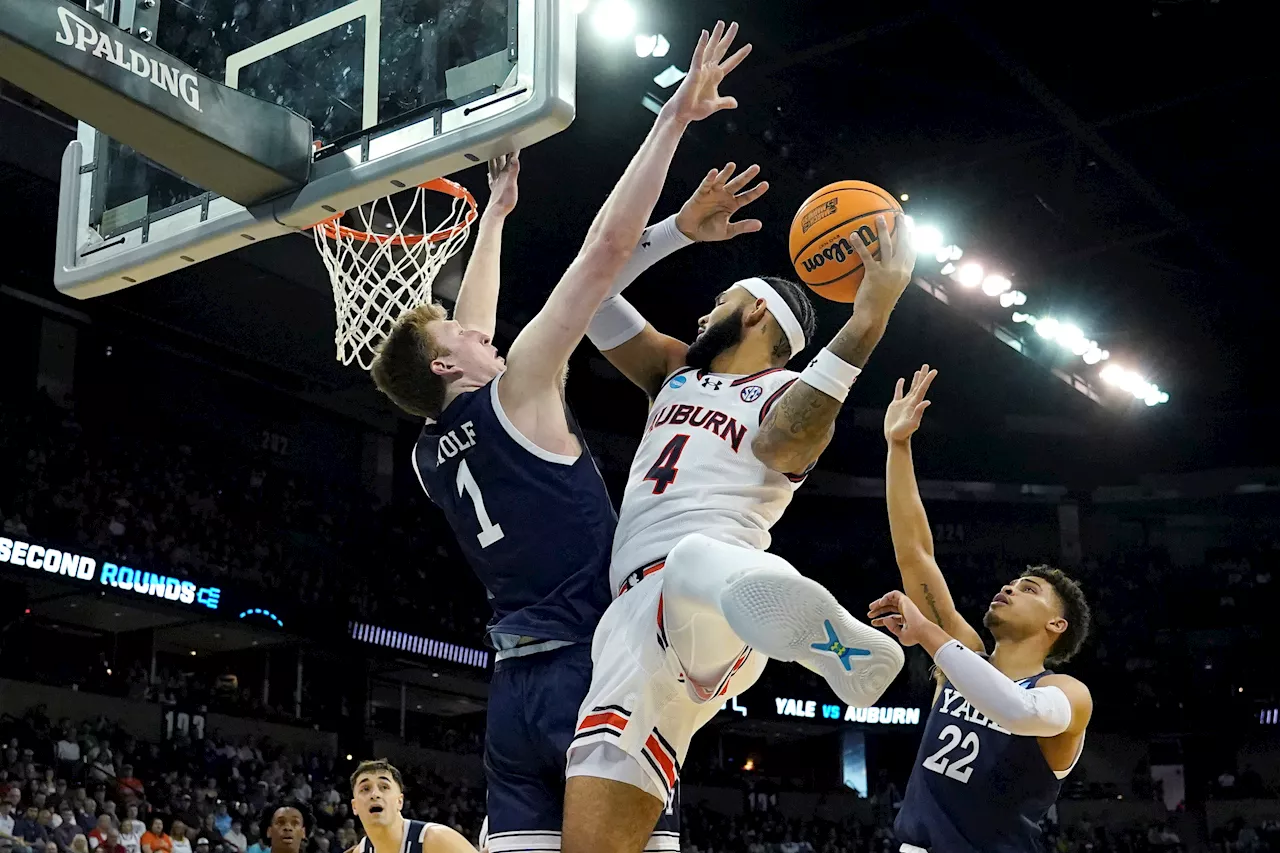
(676, 382)
(751, 393)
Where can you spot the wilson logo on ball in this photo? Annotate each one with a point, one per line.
(839, 251)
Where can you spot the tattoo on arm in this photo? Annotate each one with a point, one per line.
(933, 605)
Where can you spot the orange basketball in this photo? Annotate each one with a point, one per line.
(820, 234)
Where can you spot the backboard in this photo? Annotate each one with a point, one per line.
(398, 92)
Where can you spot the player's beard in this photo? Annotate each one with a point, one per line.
(718, 338)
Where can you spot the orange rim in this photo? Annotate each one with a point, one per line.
(333, 230)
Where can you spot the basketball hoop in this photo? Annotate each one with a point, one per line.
(386, 265)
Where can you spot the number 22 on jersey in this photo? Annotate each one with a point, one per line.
(489, 532)
(955, 768)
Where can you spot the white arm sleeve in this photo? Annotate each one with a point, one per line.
(1035, 712)
(616, 322)
(657, 242)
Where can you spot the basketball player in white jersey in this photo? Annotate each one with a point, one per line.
(701, 606)
(377, 798)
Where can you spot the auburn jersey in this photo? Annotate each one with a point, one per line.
(694, 471)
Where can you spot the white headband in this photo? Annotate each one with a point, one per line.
(761, 289)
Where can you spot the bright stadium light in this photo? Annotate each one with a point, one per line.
(1007, 300)
(662, 48)
(1047, 327)
(926, 239)
(1092, 356)
(1128, 380)
(955, 253)
(948, 268)
(970, 275)
(1019, 317)
(670, 77)
(613, 19)
(994, 285)
(645, 45)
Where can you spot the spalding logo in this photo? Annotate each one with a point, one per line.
(751, 393)
(676, 382)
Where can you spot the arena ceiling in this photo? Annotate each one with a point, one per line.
(1113, 157)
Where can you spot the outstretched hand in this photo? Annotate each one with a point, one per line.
(699, 94)
(902, 418)
(705, 217)
(504, 190)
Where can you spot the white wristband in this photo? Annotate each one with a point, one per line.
(616, 322)
(657, 242)
(830, 374)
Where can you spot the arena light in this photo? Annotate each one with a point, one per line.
(927, 239)
(613, 19)
(948, 268)
(1012, 298)
(1047, 327)
(662, 48)
(1129, 380)
(670, 77)
(994, 285)
(954, 253)
(645, 45)
(970, 275)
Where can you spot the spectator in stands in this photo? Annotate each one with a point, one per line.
(79, 844)
(131, 830)
(178, 837)
(347, 834)
(112, 844)
(156, 840)
(257, 844)
(235, 837)
(128, 785)
(99, 832)
(28, 828)
(221, 819)
(210, 831)
(65, 833)
(9, 839)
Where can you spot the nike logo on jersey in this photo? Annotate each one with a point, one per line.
(450, 444)
(718, 423)
(957, 706)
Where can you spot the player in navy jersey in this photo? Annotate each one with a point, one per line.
(377, 798)
(286, 826)
(1003, 730)
(504, 460)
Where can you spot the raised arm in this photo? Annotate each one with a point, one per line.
(477, 306)
(639, 351)
(908, 524)
(800, 425)
(539, 354)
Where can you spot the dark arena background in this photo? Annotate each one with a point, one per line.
(1106, 165)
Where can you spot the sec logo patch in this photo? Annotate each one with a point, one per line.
(676, 382)
(751, 393)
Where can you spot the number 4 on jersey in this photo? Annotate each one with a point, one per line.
(663, 473)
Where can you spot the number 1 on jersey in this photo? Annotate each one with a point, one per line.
(663, 473)
(489, 532)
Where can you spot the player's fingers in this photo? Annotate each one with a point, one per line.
(743, 199)
(745, 178)
(746, 226)
(928, 380)
(886, 240)
(864, 251)
(726, 104)
(720, 43)
(919, 412)
(699, 52)
(735, 60)
(709, 181)
(897, 389)
(726, 173)
(714, 51)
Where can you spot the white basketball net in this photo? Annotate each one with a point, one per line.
(386, 266)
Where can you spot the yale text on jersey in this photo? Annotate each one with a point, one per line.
(718, 423)
(451, 443)
(957, 706)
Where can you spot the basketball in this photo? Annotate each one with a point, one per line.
(820, 245)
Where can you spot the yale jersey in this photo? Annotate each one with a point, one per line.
(975, 787)
(695, 473)
(415, 836)
(535, 526)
